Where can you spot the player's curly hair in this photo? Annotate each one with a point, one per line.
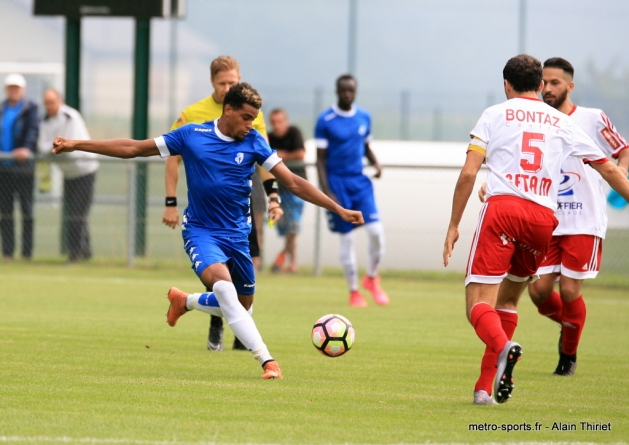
(240, 94)
(562, 64)
(223, 63)
(523, 72)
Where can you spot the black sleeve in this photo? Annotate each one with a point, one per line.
(297, 139)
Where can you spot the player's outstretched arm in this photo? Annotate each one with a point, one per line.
(462, 192)
(615, 177)
(170, 217)
(117, 148)
(308, 192)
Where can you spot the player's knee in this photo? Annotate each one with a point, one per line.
(539, 291)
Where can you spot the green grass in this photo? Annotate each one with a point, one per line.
(86, 357)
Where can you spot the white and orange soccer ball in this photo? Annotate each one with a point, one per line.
(333, 335)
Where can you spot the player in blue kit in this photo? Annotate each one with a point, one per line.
(342, 137)
(219, 160)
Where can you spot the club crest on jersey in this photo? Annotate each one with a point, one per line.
(362, 130)
(239, 158)
(569, 180)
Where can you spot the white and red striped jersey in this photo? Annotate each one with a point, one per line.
(581, 204)
(525, 143)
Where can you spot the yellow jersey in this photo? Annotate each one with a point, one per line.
(207, 110)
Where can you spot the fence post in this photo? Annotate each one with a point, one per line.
(317, 242)
(140, 123)
(131, 215)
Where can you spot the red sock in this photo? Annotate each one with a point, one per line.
(573, 319)
(509, 321)
(551, 307)
(487, 325)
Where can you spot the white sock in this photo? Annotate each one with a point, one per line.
(240, 321)
(375, 232)
(348, 260)
(205, 302)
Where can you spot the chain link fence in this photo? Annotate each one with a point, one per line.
(125, 212)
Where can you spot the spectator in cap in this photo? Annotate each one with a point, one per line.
(79, 172)
(19, 124)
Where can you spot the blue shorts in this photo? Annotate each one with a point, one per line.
(353, 193)
(292, 206)
(205, 250)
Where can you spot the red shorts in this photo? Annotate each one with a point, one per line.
(575, 256)
(511, 240)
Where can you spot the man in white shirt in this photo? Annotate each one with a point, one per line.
(576, 247)
(523, 142)
(79, 171)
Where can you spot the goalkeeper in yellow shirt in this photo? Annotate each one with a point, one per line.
(224, 73)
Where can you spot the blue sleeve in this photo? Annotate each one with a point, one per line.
(262, 149)
(320, 129)
(264, 154)
(176, 140)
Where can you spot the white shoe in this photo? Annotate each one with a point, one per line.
(482, 398)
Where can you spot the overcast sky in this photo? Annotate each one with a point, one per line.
(449, 53)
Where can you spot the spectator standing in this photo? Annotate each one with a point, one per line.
(79, 172)
(289, 143)
(18, 139)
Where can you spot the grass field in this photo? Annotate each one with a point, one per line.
(86, 357)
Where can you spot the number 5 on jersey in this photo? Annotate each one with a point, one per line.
(534, 165)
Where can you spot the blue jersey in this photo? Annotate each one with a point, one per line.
(343, 134)
(218, 171)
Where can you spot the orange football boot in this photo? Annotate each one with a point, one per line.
(271, 370)
(177, 306)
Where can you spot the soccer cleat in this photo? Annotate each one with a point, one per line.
(279, 262)
(271, 370)
(177, 306)
(482, 398)
(503, 383)
(356, 299)
(567, 365)
(372, 284)
(238, 346)
(215, 334)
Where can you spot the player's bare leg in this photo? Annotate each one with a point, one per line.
(257, 261)
(291, 252)
(545, 297)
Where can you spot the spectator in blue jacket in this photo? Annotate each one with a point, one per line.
(19, 125)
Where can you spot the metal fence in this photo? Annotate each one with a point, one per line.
(414, 201)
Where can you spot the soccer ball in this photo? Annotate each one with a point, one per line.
(333, 335)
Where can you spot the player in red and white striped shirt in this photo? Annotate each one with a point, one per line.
(576, 247)
(523, 142)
